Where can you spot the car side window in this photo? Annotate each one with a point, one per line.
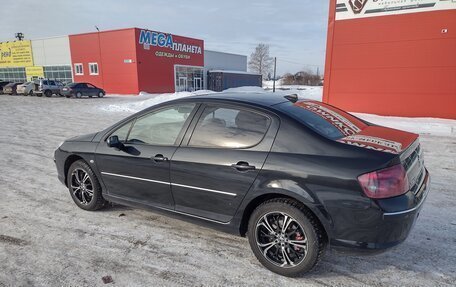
(51, 83)
(91, 86)
(161, 127)
(82, 86)
(229, 128)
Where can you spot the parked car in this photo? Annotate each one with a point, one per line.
(25, 89)
(10, 89)
(2, 85)
(80, 90)
(295, 176)
(47, 87)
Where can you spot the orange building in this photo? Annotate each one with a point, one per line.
(392, 57)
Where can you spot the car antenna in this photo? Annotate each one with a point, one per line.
(292, 98)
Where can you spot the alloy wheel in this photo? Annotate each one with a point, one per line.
(281, 239)
(82, 186)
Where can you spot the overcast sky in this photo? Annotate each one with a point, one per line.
(294, 29)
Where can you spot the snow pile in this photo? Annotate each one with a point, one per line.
(132, 104)
(135, 104)
(246, 89)
(428, 126)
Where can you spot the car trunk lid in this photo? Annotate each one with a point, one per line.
(381, 139)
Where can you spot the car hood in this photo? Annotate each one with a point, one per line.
(381, 139)
(83, 138)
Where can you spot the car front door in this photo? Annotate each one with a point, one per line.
(139, 171)
(218, 162)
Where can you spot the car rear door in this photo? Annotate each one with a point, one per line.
(92, 90)
(139, 172)
(83, 89)
(219, 159)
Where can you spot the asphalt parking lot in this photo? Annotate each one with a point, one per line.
(45, 240)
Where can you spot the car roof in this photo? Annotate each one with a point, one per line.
(261, 99)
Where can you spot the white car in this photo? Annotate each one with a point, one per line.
(25, 89)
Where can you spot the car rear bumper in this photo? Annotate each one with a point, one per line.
(386, 231)
(66, 93)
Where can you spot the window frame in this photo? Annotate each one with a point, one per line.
(197, 117)
(93, 64)
(132, 120)
(81, 73)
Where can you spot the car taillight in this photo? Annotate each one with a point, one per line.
(384, 183)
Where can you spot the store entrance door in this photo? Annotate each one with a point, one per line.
(197, 82)
(182, 86)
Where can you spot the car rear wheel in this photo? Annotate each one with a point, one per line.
(100, 95)
(48, 93)
(84, 186)
(78, 95)
(285, 237)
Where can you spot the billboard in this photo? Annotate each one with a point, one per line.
(353, 9)
(35, 72)
(171, 46)
(16, 54)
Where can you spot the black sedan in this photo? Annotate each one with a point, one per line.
(80, 90)
(295, 176)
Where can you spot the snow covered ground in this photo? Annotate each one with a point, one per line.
(45, 240)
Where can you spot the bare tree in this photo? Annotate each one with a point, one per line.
(260, 61)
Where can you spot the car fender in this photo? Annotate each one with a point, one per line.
(282, 188)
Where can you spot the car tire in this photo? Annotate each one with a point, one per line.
(291, 251)
(84, 187)
(90, 96)
(67, 96)
(100, 95)
(48, 93)
(78, 95)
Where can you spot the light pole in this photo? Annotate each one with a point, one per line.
(274, 80)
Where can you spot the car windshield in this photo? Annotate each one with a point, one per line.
(326, 120)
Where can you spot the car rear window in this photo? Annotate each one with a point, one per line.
(326, 120)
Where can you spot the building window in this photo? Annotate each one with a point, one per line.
(13, 74)
(188, 78)
(93, 67)
(59, 73)
(78, 70)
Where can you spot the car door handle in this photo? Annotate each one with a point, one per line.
(159, 158)
(243, 166)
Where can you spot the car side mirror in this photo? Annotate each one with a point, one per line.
(113, 141)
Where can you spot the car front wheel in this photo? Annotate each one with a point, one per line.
(100, 95)
(84, 186)
(78, 95)
(285, 237)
